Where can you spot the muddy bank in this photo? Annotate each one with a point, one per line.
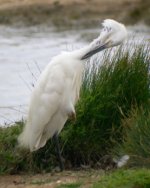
(81, 13)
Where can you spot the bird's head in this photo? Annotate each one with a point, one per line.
(112, 34)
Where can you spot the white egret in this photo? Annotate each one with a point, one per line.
(57, 90)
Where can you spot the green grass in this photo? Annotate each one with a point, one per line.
(9, 157)
(40, 182)
(70, 185)
(14, 160)
(109, 93)
(133, 178)
(136, 138)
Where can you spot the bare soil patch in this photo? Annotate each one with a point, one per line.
(51, 180)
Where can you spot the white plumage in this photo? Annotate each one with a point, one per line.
(57, 90)
(52, 101)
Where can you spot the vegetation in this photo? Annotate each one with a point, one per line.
(140, 12)
(72, 185)
(75, 14)
(108, 94)
(139, 178)
(105, 117)
(136, 138)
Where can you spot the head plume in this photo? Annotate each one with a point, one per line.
(112, 34)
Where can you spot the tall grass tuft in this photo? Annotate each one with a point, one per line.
(108, 94)
(136, 138)
(129, 178)
(8, 155)
(14, 159)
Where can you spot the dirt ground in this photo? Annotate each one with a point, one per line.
(51, 180)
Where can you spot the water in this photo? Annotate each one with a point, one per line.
(24, 52)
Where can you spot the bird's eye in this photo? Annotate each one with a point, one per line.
(110, 29)
(107, 29)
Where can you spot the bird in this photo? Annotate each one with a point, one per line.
(57, 90)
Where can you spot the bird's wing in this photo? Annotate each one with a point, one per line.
(45, 101)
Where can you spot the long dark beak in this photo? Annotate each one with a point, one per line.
(94, 51)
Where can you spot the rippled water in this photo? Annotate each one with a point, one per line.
(24, 52)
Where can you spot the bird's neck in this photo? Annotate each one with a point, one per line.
(89, 50)
(79, 53)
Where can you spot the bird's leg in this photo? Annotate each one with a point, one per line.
(56, 141)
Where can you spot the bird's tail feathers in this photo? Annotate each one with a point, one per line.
(23, 139)
(33, 143)
(41, 141)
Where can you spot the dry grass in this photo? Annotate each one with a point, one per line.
(12, 3)
(46, 11)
